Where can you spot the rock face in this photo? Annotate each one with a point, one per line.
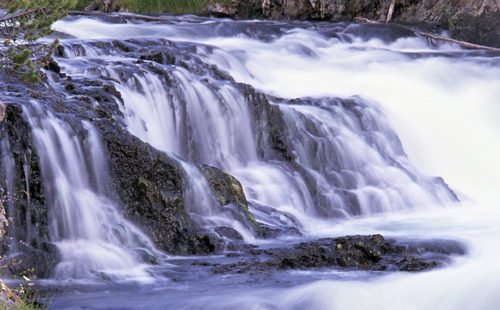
(2, 111)
(148, 184)
(271, 140)
(151, 187)
(352, 252)
(228, 190)
(476, 21)
(28, 229)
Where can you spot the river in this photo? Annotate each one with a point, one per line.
(415, 119)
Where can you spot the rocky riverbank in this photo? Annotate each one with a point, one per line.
(472, 21)
(476, 21)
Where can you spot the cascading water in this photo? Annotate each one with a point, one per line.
(93, 237)
(352, 150)
(359, 166)
(7, 165)
(338, 165)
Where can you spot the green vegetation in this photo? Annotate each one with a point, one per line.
(25, 22)
(171, 6)
(21, 298)
(150, 6)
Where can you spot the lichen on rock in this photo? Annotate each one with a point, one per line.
(227, 189)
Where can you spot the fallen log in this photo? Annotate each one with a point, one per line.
(434, 36)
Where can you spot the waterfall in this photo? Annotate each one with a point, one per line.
(356, 158)
(7, 171)
(91, 233)
(332, 130)
(348, 161)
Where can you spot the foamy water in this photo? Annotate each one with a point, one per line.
(443, 103)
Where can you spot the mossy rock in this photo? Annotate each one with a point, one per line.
(227, 189)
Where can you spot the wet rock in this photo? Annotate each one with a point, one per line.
(34, 263)
(53, 66)
(27, 213)
(2, 111)
(4, 223)
(151, 186)
(228, 190)
(270, 126)
(147, 183)
(229, 233)
(351, 252)
(160, 57)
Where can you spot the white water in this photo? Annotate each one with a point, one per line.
(93, 237)
(207, 121)
(445, 110)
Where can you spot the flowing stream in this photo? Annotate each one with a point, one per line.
(380, 131)
(93, 237)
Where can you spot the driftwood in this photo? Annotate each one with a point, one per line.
(391, 11)
(434, 36)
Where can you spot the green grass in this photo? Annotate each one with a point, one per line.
(156, 6)
(170, 6)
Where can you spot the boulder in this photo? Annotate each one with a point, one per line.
(373, 252)
(228, 190)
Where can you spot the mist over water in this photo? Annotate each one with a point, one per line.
(416, 110)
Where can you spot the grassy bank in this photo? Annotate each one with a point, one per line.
(153, 6)
(157, 6)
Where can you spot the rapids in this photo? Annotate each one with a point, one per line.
(384, 132)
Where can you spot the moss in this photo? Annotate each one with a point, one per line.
(240, 199)
(227, 189)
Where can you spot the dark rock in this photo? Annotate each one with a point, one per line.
(351, 252)
(160, 57)
(27, 213)
(270, 126)
(229, 233)
(228, 190)
(106, 6)
(2, 111)
(148, 184)
(483, 29)
(53, 66)
(33, 263)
